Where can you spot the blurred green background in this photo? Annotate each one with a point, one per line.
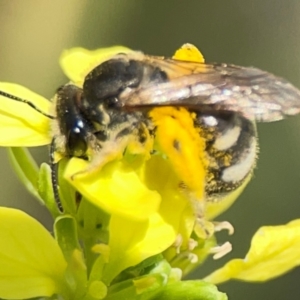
(265, 34)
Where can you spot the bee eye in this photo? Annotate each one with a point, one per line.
(76, 142)
(112, 102)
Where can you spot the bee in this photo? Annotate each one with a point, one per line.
(123, 101)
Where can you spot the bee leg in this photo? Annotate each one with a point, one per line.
(53, 167)
(111, 151)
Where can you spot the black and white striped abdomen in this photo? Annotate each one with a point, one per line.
(231, 148)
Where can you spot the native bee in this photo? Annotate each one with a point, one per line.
(122, 100)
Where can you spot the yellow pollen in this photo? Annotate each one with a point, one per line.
(181, 142)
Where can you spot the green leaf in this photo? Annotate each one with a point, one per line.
(141, 288)
(26, 169)
(66, 234)
(67, 193)
(92, 228)
(191, 290)
(153, 264)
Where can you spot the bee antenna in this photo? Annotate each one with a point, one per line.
(12, 97)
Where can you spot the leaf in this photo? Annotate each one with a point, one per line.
(188, 290)
(26, 169)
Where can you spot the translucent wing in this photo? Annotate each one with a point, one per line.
(256, 94)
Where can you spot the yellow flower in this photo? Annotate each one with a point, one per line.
(141, 212)
(274, 251)
(151, 214)
(32, 263)
(20, 124)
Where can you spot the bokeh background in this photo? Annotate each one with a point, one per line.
(265, 34)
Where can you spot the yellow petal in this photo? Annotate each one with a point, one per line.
(141, 224)
(144, 239)
(175, 208)
(274, 251)
(31, 262)
(117, 189)
(131, 242)
(20, 124)
(78, 62)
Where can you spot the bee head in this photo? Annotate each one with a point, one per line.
(73, 126)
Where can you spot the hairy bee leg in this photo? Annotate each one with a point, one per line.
(111, 151)
(53, 166)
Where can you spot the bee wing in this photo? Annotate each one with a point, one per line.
(256, 94)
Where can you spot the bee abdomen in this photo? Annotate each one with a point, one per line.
(231, 149)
